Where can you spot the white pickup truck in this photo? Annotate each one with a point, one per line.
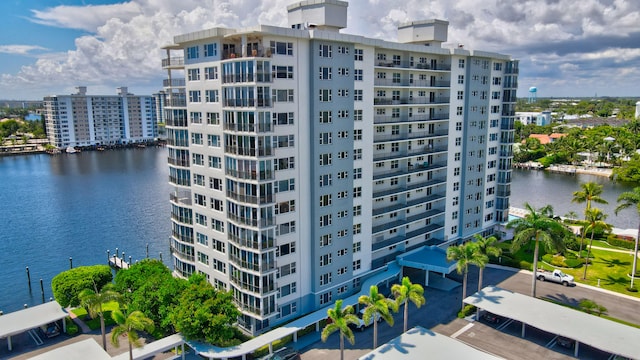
(556, 276)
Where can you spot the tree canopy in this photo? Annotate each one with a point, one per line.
(69, 284)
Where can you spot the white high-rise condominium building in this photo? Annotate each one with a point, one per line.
(302, 159)
(88, 120)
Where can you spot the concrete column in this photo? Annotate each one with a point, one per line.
(317, 326)
(183, 354)
(9, 343)
(64, 326)
(295, 337)
(244, 45)
(523, 327)
(270, 348)
(575, 349)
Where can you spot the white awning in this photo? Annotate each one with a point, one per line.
(81, 350)
(30, 318)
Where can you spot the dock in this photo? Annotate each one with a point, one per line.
(118, 263)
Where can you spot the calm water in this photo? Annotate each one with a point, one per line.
(79, 206)
(82, 205)
(540, 188)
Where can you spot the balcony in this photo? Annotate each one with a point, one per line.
(266, 102)
(178, 162)
(251, 243)
(182, 255)
(182, 237)
(411, 135)
(174, 82)
(401, 222)
(421, 150)
(176, 103)
(408, 187)
(179, 181)
(421, 100)
(242, 264)
(260, 77)
(245, 151)
(425, 166)
(413, 65)
(408, 204)
(411, 83)
(182, 219)
(408, 236)
(253, 128)
(251, 175)
(180, 199)
(173, 63)
(260, 52)
(251, 199)
(250, 221)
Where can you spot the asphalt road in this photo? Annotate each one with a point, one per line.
(440, 314)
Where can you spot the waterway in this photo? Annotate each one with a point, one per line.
(79, 206)
(540, 188)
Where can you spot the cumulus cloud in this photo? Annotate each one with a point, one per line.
(553, 38)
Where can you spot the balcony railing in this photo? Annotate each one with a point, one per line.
(251, 175)
(182, 255)
(261, 77)
(182, 237)
(181, 200)
(177, 102)
(422, 100)
(245, 151)
(266, 102)
(410, 82)
(252, 199)
(413, 65)
(253, 244)
(256, 128)
(178, 162)
(406, 153)
(179, 181)
(173, 62)
(174, 82)
(411, 135)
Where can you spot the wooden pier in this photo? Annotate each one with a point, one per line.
(118, 263)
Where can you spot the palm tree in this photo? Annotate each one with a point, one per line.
(486, 246)
(377, 306)
(466, 254)
(626, 200)
(405, 292)
(130, 325)
(595, 220)
(340, 320)
(93, 300)
(590, 192)
(536, 226)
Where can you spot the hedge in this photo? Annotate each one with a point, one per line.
(615, 241)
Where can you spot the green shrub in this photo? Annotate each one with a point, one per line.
(466, 311)
(613, 240)
(572, 243)
(68, 284)
(72, 328)
(574, 263)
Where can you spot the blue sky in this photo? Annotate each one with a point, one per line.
(51, 46)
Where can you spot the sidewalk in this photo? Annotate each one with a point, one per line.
(85, 329)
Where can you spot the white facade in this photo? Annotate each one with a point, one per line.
(302, 159)
(89, 120)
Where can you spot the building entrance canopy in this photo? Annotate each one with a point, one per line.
(429, 258)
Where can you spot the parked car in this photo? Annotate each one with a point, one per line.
(50, 330)
(361, 324)
(565, 342)
(491, 317)
(283, 354)
(556, 276)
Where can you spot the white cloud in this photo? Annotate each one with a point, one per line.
(124, 40)
(20, 49)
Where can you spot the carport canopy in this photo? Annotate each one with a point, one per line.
(421, 343)
(592, 330)
(30, 318)
(429, 258)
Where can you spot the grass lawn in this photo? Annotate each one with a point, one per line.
(94, 324)
(608, 266)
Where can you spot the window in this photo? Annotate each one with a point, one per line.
(282, 118)
(357, 115)
(213, 118)
(460, 79)
(325, 279)
(458, 141)
(201, 219)
(457, 156)
(343, 50)
(202, 239)
(343, 154)
(325, 240)
(357, 210)
(192, 52)
(343, 134)
(343, 71)
(325, 95)
(343, 92)
(215, 162)
(459, 126)
(198, 179)
(282, 72)
(456, 186)
(325, 73)
(281, 48)
(358, 54)
(343, 174)
(215, 183)
(461, 63)
(456, 171)
(357, 246)
(343, 114)
(194, 96)
(455, 201)
(284, 163)
(454, 229)
(217, 205)
(200, 199)
(193, 74)
(325, 259)
(460, 95)
(325, 159)
(357, 74)
(326, 298)
(357, 154)
(357, 229)
(203, 258)
(342, 194)
(325, 117)
(357, 192)
(497, 80)
(282, 95)
(211, 73)
(212, 96)
(213, 140)
(325, 51)
(325, 180)
(325, 200)
(357, 134)
(357, 265)
(285, 207)
(459, 110)
(210, 50)
(357, 173)
(196, 117)
(326, 138)
(196, 138)
(284, 185)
